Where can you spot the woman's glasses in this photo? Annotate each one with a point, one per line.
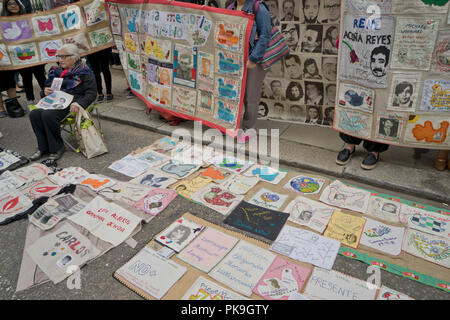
(12, 4)
(63, 56)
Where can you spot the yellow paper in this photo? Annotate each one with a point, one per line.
(345, 228)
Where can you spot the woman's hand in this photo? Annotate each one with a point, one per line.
(75, 107)
(250, 64)
(48, 91)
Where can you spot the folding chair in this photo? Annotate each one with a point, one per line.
(69, 121)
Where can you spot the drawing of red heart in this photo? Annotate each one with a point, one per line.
(180, 221)
(162, 237)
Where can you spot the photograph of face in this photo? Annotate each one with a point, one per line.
(297, 113)
(263, 109)
(185, 65)
(294, 91)
(331, 11)
(277, 111)
(276, 70)
(291, 33)
(314, 93)
(329, 40)
(328, 116)
(311, 10)
(312, 39)
(289, 11)
(388, 127)
(293, 67)
(277, 90)
(314, 115)
(273, 11)
(329, 68)
(265, 91)
(330, 94)
(311, 69)
(403, 95)
(379, 60)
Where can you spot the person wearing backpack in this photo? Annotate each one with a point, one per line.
(259, 39)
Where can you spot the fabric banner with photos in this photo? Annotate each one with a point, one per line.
(184, 59)
(301, 88)
(393, 73)
(33, 39)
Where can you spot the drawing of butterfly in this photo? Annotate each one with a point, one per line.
(45, 25)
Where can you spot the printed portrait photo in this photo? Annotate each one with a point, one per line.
(297, 113)
(294, 92)
(291, 33)
(388, 127)
(311, 69)
(329, 68)
(293, 67)
(314, 115)
(314, 93)
(290, 10)
(330, 37)
(311, 38)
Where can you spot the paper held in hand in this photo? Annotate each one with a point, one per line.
(57, 100)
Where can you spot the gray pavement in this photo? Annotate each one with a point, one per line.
(133, 129)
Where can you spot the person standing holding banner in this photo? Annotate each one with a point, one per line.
(259, 39)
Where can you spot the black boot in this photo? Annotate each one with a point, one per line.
(13, 108)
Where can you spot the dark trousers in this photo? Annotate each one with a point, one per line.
(27, 78)
(370, 146)
(99, 62)
(46, 127)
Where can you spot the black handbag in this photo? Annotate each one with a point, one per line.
(13, 108)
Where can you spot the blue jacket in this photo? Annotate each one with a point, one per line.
(262, 27)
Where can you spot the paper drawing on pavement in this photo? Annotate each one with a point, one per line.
(426, 221)
(306, 246)
(151, 273)
(240, 184)
(281, 279)
(339, 195)
(156, 201)
(265, 173)
(257, 220)
(305, 184)
(207, 249)
(382, 237)
(268, 199)
(153, 178)
(384, 209)
(426, 246)
(242, 268)
(204, 289)
(386, 293)
(179, 234)
(345, 228)
(310, 213)
(217, 198)
(188, 187)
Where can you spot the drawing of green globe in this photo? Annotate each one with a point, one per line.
(305, 185)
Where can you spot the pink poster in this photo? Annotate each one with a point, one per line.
(207, 249)
(156, 201)
(281, 279)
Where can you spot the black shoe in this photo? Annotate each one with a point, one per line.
(344, 156)
(101, 98)
(58, 154)
(37, 155)
(370, 161)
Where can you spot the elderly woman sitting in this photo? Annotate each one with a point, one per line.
(79, 81)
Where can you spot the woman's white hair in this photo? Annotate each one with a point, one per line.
(72, 49)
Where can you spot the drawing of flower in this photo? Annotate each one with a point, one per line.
(353, 56)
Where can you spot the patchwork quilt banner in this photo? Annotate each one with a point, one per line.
(184, 59)
(393, 82)
(33, 39)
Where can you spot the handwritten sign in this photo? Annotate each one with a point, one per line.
(65, 247)
(333, 285)
(204, 289)
(306, 246)
(207, 249)
(242, 268)
(151, 273)
(345, 228)
(106, 220)
(257, 220)
(281, 279)
(383, 237)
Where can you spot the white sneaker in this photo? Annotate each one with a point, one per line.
(1, 135)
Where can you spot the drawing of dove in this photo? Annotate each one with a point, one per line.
(278, 288)
(12, 33)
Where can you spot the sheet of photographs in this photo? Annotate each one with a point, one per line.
(301, 88)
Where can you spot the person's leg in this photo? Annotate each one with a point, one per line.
(27, 78)
(345, 154)
(374, 149)
(441, 161)
(39, 74)
(51, 122)
(95, 66)
(253, 89)
(39, 131)
(104, 65)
